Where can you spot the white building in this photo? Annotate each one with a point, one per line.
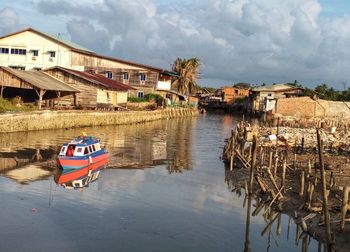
(30, 49)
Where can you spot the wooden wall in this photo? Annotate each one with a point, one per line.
(134, 76)
(88, 92)
(9, 80)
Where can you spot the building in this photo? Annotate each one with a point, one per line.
(230, 94)
(263, 98)
(30, 49)
(33, 86)
(96, 91)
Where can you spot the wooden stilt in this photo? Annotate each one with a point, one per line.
(324, 193)
(345, 206)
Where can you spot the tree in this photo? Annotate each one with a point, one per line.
(242, 85)
(188, 71)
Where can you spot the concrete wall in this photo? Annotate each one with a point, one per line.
(306, 107)
(298, 106)
(14, 122)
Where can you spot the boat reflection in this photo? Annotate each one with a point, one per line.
(76, 179)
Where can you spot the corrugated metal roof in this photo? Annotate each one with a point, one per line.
(67, 42)
(275, 87)
(83, 50)
(97, 79)
(41, 80)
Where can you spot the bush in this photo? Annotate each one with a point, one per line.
(136, 99)
(6, 105)
(147, 98)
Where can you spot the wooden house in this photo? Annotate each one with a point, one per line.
(33, 86)
(95, 90)
(30, 49)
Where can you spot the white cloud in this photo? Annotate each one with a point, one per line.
(9, 21)
(241, 40)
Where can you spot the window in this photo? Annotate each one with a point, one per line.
(109, 75)
(140, 94)
(90, 149)
(4, 50)
(125, 76)
(18, 51)
(93, 148)
(52, 54)
(86, 151)
(142, 77)
(35, 52)
(79, 150)
(269, 94)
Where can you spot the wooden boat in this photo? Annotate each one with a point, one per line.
(82, 153)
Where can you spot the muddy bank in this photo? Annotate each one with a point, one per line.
(15, 122)
(293, 181)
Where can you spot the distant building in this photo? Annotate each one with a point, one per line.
(263, 98)
(230, 94)
(30, 49)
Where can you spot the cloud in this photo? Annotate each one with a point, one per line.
(9, 21)
(238, 40)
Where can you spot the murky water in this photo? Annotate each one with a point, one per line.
(165, 190)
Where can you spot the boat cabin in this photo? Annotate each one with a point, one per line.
(80, 147)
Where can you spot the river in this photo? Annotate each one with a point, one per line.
(164, 190)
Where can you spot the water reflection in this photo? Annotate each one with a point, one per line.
(76, 179)
(256, 208)
(30, 156)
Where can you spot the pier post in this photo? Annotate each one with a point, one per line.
(324, 193)
(345, 206)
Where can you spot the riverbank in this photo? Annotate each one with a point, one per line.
(304, 178)
(42, 120)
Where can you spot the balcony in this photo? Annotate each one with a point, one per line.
(164, 85)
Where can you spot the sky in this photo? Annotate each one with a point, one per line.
(256, 41)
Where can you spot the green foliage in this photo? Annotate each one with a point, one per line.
(242, 85)
(188, 70)
(209, 89)
(14, 105)
(147, 98)
(155, 97)
(136, 99)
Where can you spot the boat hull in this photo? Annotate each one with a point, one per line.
(77, 163)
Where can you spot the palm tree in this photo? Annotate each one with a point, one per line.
(188, 70)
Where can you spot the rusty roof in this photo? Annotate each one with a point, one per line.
(40, 80)
(96, 79)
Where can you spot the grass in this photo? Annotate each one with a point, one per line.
(11, 105)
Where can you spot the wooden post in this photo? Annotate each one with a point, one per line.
(302, 145)
(40, 93)
(58, 100)
(284, 168)
(275, 167)
(279, 224)
(345, 206)
(324, 193)
(252, 166)
(270, 160)
(247, 226)
(2, 90)
(302, 183)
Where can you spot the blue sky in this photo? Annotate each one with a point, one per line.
(255, 41)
